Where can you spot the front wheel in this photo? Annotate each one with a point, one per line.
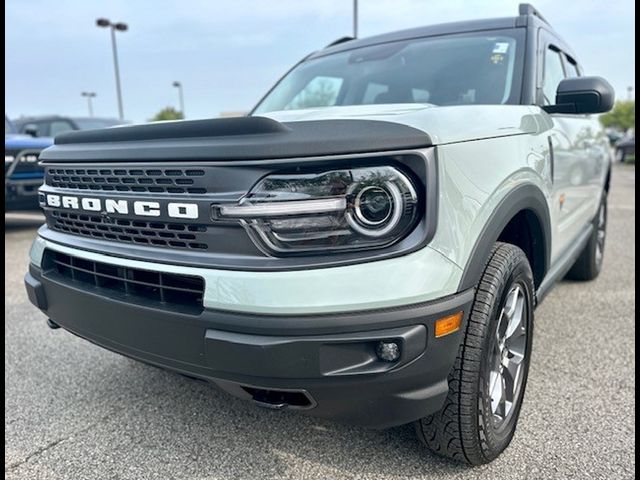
(488, 380)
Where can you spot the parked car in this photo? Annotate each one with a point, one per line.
(369, 245)
(625, 147)
(52, 125)
(22, 174)
(614, 135)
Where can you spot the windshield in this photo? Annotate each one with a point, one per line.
(472, 68)
(91, 123)
(8, 126)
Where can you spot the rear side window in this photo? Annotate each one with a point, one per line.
(553, 75)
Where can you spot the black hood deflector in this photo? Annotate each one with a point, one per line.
(225, 139)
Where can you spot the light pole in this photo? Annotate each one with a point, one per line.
(355, 18)
(178, 85)
(89, 96)
(122, 27)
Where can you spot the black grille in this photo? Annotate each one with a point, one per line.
(180, 292)
(159, 234)
(149, 180)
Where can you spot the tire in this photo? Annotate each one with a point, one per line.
(589, 263)
(468, 428)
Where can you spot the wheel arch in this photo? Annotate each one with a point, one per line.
(522, 218)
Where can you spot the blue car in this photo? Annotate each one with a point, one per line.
(22, 173)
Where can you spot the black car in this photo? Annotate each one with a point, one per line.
(624, 147)
(52, 125)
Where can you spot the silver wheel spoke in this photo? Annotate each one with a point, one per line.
(496, 390)
(601, 234)
(508, 353)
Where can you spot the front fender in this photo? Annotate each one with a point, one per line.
(483, 185)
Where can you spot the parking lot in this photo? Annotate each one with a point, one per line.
(74, 410)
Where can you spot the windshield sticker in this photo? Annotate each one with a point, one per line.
(500, 47)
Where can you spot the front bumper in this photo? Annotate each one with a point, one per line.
(22, 194)
(324, 365)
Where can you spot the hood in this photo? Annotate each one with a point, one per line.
(16, 140)
(444, 125)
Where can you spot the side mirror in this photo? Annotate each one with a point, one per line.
(31, 129)
(583, 95)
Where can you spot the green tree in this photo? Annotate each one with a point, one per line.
(623, 115)
(167, 113)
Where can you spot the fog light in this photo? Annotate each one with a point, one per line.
(388, 351)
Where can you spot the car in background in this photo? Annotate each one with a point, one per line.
(614, 135)
(22, 173)
(52, 125)
(625, 147)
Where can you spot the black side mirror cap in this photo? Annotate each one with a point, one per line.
(583, 95)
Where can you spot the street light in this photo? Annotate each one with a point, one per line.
(355, 18)
(89, 96)
(122, 27)
(178, 85)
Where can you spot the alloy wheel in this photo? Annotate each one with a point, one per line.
(508, 355)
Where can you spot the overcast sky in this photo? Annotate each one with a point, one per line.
(227, 53)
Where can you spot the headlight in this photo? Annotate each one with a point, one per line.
(337, 210)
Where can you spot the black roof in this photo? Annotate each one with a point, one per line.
(527, 16)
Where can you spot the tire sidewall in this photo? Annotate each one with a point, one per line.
(494, 439)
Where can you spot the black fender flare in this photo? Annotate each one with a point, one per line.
(526, 197)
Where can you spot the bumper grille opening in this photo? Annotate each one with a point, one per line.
(278, 399)
(182, 293)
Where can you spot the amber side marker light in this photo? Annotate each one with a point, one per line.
(449, 324)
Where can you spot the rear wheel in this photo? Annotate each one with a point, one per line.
(589, 263)
(488, 380)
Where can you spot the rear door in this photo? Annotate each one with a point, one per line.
(577, 160)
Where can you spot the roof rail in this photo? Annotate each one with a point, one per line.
(340, 40)
(528, 9)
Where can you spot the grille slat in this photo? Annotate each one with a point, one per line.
(155, 233)
(161, 180)
(113, 277)
(180, 292)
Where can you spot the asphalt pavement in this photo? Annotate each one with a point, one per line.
(76, 411)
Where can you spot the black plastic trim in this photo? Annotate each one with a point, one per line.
(177, 342)
(564, 263)
(524, 197)
(227, 139)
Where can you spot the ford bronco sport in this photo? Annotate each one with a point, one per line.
(368, 245)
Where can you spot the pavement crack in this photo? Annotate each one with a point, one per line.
(50, 445)
(14, 465)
